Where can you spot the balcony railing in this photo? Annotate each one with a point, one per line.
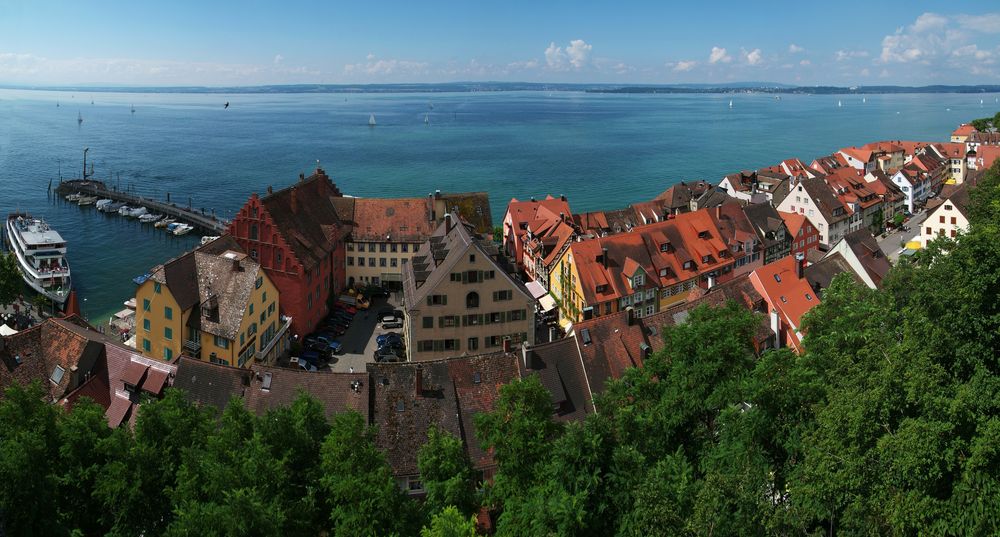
(262, 355)
(192, 346)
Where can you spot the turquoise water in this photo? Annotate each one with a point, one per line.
(602, 151)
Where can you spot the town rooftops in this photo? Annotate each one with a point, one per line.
(964, 129)
(766, 222)
(820, 274)
(560, 368)
(794, 222)
(826, 201)
(523, 211)
(678, 197)
(210, 384)
(273, 387)
(785, 291)
(870, 255)
(987, 138)
(473, 207)
(395, 220)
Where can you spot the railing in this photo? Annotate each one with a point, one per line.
(191, 345)
(266, 350)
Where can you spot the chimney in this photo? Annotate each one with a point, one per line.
(418, 380)
(562, 197)
(524, 354)
(295, 200)
(604, 256)
(236, 265)
(562, 217)
(711, 280)
(631, 315)
(437, 194)
(776, 328)
(447, 223)
(532, 198)
(800, 261)
(506, 345)
(269, 189)
(302, 177)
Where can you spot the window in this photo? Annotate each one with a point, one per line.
(253, 232)
(954, 220)
(405, 247)
(506, 294)
(448, 321)
(451, 344)
(221, 342)
(156, 287)
(472, 300)
(473, 343)
(168, 312)
(393, 262)
(947, 207)
(649, 310)
(371, 261)
(168, 353)
(928, 230)
(361, 261)
(145, 324)
(472, 258)
(941, 218)
(251, 308)
(277, 255)
(263, 296)
(650, 293)
(437, 300)
(350, 261)
(381, 247)
(145, 304)
(168, 333)
(428, 322)
(381, 261)
(146, 345)
(637, 280)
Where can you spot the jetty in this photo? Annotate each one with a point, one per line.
(204, 222)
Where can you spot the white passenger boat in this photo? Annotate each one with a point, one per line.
(41, 256)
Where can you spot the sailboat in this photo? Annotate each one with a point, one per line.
(133, 108)
(371, 120)
(427, 119)
(79, 118)
(730, 103)
(980, 102)
(840, 104)
(864, 99)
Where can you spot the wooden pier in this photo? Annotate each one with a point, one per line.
(205, 223)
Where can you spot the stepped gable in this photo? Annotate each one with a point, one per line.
(559, 366)
(273, 387)
(205, 383)
(305, 215)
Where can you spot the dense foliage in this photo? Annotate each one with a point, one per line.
(986, 123)
(10, 279)
(888, 424)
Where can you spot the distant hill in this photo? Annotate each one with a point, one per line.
(729, 87)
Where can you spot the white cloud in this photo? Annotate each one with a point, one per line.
(754, 57)
(278, 58)
(842, 55)
(578, 52)
(865, 72)
(941, 41)
(929, 21)
(805, 63)
(972, 51)
(684, 66)
(988, 23)
(718, 54)
(576, 55)
(795, 49)
(390, 67)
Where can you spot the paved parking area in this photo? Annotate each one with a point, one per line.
(359, 340)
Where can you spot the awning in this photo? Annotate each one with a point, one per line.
(913, 245)
(547, 303)
(536, 290)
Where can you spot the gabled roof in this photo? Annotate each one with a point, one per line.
(432, 263)
(477, 381)
(210, 384)
(766, 222)
(795, 221)
(522, 212)
(779, 284)
(868, 252)
(679, 196)
(304, 213)
(820, 274)
(559, 366)
(609, 345)
(824, 199)
(964, 129)
(57, 352)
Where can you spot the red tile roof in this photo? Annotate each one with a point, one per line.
(795, 222)
(784, 291)
(964, 129)
(401, 219)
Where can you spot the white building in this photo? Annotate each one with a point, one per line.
(948, 216)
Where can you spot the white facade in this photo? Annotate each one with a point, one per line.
(799, 201)
(912, 191)
(945, 221)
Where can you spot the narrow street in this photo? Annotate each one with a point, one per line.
(894, 243)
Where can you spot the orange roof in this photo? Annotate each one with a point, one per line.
(526, 211)
(401, 219)
(858, 153)
(785, 292)
(795, 221)
(986, 155)
(964, 130)
(952, 149)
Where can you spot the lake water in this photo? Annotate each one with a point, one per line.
(602, 151)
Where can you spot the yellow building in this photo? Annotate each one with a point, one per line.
(213, 303)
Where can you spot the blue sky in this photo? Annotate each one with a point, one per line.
(254, 42)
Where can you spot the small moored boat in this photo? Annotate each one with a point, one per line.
(180, 228)
(165, 222)
(137, 212)
(86, 200)
(149, 218)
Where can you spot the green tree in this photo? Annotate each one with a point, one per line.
(10, 279)
(29, 449)
(982, 124)
(363, 494)
(450, 522)
(519, 431)
(84, 442)
(447, 473)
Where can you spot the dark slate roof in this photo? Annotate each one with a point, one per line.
(402, 416)
(210, 384)
(767, 223)
(305, 215)
(609, 345)
(337, 392)
(477, 381)
(820, 274)
(825, 200)
(871, 256)
(559, 365)
(41, 349)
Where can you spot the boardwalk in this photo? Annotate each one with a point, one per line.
(205, 223)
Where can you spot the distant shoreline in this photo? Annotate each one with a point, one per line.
(474, 87)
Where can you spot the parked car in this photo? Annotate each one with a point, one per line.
(340, 306)
(340, 315)
(302, 364)
(312, 357)
(381, 339)
(333, 330)
(392, 325)
(386, 354)
(387, 318)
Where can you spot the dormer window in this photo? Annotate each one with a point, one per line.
(689, 265)
(706, 258)
(663, 273)
(666, 247)
(638, 279)
(704, 235)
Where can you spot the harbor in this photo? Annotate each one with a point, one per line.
(206, 223)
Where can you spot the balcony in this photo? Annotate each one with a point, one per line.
(262, 355)
(192, 346)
